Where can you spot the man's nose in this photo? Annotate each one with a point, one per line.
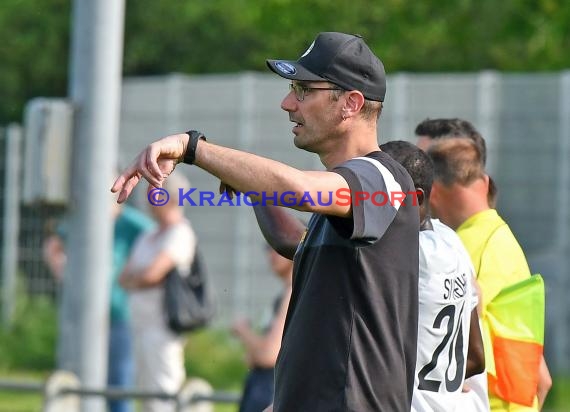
(289, 102)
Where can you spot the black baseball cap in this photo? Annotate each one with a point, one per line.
(339, 58)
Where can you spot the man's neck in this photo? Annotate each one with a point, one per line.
(356, 143)
(468, 202)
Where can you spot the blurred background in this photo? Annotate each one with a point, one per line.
(504, 66)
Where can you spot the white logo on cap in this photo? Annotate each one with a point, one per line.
(309, 49)
(286, 68)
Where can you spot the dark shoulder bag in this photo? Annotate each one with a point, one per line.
(187, 299)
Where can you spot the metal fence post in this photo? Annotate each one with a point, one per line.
(94, 89)
(562, 343)
(11, 226)
(190, 389)
(54, 400)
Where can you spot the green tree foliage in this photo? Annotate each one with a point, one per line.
(220, 36)
(33, 52)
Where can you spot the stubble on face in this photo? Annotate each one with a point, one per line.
(319, 125)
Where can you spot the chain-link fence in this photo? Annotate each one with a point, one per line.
(525, 119)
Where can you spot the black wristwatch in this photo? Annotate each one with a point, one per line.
(190, 154)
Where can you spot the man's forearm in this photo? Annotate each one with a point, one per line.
(280, 229)
(475, 351)
(246, 172)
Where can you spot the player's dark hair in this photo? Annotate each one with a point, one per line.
(415, 161)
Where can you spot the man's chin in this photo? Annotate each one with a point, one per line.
(302, 144)
(298, 142)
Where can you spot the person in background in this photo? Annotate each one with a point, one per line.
(53, 250)
(262, 349)
(459, 197)
(448, 319)
(430, 130)
(129, 224)
(159, 352)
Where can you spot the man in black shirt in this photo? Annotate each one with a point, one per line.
(349, 342)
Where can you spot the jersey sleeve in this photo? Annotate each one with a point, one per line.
(372, 216)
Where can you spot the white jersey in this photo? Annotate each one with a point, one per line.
(476, 399)
(446, 299)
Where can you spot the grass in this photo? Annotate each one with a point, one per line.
(24, 401)
(27, 353)
(32, 402)
(12, 401)
(210, 354)
(558, 399)
(20, 402)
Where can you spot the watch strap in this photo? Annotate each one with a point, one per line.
(190, 154)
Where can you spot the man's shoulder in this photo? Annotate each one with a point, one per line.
(504, 245)
(381, 164)
(441, 250)
(488, 229)
(481, 224)
(440, 232)
(447, 235)
(386, 161)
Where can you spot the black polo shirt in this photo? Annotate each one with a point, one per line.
(350, 335)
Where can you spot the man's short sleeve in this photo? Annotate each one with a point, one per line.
(376, 196)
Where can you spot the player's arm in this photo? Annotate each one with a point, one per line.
(544, 383)
(149, 277)
(249, 173)
(475, 352)
(245, 172)
(280, 229)
(262, 350)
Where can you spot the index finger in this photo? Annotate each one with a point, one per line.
(123, 178)
(128, 188)
(119, 183)
(125, 183)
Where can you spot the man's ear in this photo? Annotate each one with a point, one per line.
(486, 180)
(420, 195)
(435, 194)
(353, 103)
